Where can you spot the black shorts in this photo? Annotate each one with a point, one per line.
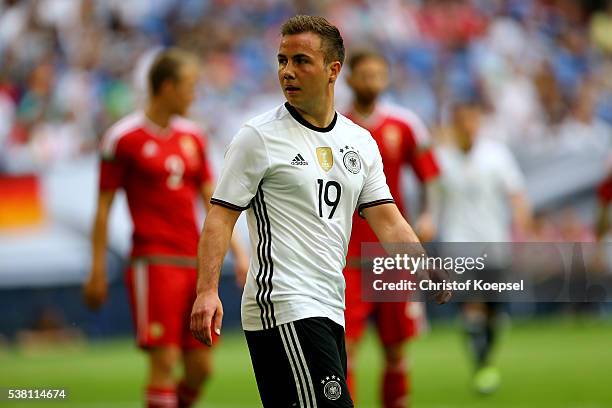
(300, 364)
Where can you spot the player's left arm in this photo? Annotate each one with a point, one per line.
(425, 223)
(390, 227)
(522, 215)
(241, 257)
(377, 207)
(514, 184)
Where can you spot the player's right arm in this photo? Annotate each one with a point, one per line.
(246, 162)
(113, 152)
(207, 311)
(241, 257)
(96, 287)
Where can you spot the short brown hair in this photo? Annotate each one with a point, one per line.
(363, 54)
(331, 40)
(166, 66)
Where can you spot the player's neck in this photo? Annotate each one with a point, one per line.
(320, 116)
(465, 144)
(158, 115)
(364, 109)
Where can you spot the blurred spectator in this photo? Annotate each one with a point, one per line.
(69, 68)
(601, 29)
(43, 130)
(581, 128)
(89, 49)
(551, 102)
(7, 117)
(467, 23)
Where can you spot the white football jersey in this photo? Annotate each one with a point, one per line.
(475, 192)
(301, 185)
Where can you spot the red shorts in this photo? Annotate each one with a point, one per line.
(161, 298)
(395, 321)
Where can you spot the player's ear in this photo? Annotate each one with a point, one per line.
(349, 80)
(334, 71)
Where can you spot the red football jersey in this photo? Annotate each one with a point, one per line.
(162, 172)
(402, 138)
(604, 191)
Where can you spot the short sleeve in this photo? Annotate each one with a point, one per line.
(246, 162)
(425, 165)
(375, 190)
(604, 191)
(512, 177)
(420, 155)
(113, 162)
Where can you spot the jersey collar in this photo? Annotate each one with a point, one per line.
(155, 129)
(296, 115)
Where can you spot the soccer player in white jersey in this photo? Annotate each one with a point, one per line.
(300, 171)
(482, 198)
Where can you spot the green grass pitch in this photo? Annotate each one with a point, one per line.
(544, 364)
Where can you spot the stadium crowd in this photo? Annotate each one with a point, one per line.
(70, 68)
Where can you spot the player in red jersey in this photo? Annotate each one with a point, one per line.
(402, 139)
(604, 197)
(159, 159)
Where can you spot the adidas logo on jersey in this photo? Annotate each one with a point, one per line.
(299, 161)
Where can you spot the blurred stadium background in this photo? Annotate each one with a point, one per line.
(69, 68)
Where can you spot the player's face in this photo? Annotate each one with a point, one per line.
(466, 120)
(369, 79)
(302, 72)
(183, 91)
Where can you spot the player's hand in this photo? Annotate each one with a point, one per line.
(95, 290)
(443, 296)
(206, 315)
(439, 275)
(241, 268)
(425, 227)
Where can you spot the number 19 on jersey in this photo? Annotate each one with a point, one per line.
(326, 195)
